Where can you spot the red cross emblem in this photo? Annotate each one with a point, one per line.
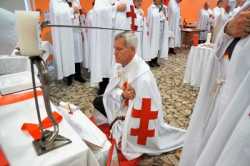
(145, 114)
(132, 14)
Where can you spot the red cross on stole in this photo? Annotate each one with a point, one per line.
(145, 114)
(132, 14)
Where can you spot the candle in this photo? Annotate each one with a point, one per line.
(209, 36)
(27, 27)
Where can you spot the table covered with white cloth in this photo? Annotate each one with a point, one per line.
(197, 60)
(17, 145)
(15, 63)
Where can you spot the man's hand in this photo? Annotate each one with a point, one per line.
(239, 26)
(121, 7)
(128, 93)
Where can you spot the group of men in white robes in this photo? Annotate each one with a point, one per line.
(218, 134)
(213, 20)
(67, 42)
(93, 47)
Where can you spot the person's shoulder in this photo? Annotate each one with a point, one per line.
(147, 76)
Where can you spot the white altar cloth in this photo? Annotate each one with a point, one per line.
(196, 65)
(18, 147)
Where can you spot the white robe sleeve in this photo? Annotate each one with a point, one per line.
(116, 95)
(113, 104)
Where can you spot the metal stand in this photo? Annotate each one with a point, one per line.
(50, 140)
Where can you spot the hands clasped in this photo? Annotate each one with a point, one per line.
(128, 92)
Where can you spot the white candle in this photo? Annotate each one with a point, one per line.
(27, 27)
(209, 36)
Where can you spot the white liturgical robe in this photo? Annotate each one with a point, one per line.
(204, 23)
(174, 19)
(140, 24)
(219, 20)
(63, 38)
(144, 129)
(143, 48)
(100, 41)
(158, 31)
(218, 133)
(78, 35)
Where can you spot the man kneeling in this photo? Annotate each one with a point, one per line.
(132, 92)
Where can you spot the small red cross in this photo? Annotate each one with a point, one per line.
(132, 14)
(145, 114)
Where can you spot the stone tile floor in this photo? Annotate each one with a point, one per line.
(178, 100)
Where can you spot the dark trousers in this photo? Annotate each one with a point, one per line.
(102, 86)
(98, 104)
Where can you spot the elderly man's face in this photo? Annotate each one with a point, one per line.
(123, 54)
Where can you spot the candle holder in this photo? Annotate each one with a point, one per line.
(27, 26)
(50, 140)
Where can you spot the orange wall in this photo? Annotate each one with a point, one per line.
(86, 4)
(190, 8)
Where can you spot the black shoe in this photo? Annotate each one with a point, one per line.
(100, 91)
(151, 64)
(102, 86)
(68, 80)
(156, 64)
(80, 79)
(171, 51)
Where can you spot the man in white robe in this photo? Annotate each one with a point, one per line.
(222, 102)
(221, 20)
(174, 24)
(78, 40)
(63, 41)
(8, 38)
(109, 15)
(205, 22)
(86, 40)
(158, 32)
(142, 35)
(133, 93)
(218, 14)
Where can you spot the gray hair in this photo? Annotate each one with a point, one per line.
(129, 37)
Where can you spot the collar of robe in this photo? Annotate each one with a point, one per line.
(135, 68)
